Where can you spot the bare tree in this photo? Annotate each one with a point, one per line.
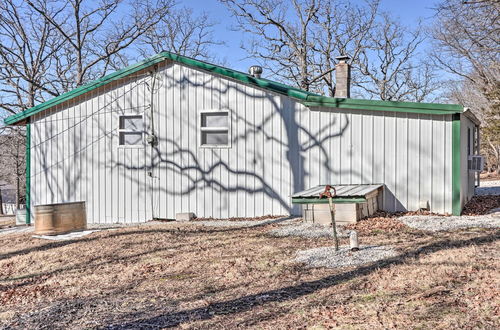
(388, 68)
(298, 41)
(97, 33)
(467, 45)
(466, 92)
(27, 48)
(343, 29)
(181, 32)
(467, 40)
(284, 44)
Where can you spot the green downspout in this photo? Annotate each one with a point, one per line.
(455, 165)
(28, 174)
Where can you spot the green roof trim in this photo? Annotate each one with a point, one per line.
(378, 105)
(456, 163)
(241, 76)
(307, 98)
(28, 174)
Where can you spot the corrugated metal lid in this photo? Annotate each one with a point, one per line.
(351, 190)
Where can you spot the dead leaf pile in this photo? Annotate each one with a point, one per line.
(480, 205)
(380, 222)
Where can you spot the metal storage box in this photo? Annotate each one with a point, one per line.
(55, 219)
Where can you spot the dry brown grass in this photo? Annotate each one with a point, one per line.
(182, 275)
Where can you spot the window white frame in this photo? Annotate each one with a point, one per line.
(202, 129)
(123, 130)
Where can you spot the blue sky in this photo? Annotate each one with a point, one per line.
(408, 11)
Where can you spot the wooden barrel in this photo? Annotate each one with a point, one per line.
(55, 219)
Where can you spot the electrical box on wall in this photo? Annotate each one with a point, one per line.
(476, 163)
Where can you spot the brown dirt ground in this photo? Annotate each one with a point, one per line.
(188, 276)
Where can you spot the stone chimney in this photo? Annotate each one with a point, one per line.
(343, 77)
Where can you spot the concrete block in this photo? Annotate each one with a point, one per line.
(187, 216)
(20, 217)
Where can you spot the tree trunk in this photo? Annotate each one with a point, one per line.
(1, 203)
(17, 192)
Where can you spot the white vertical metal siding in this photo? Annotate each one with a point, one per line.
(409, 153)
(278, 147)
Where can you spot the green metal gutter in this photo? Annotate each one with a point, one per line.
(28, 173)
(307, 98)
(377, 105)
(338, 200)
(455, 166)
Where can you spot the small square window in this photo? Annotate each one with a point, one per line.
(130, 138)
(130, 130)
(214, 120)
(133, 123)
(214, 129)
(214, 138)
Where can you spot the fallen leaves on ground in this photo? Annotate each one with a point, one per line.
(480, 205)
(379, 222)
(264, 217)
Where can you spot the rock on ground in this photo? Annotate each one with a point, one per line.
(328, 257)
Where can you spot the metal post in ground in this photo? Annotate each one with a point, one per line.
(332, 215)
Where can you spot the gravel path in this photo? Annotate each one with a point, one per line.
(488, 188)
(17, 230)
(442, 223)
(67, 236)
(328, 257)
(308, 230)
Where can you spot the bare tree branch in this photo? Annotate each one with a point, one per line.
(388, 69)
(183, 33)
(97, 32)
(467, 44)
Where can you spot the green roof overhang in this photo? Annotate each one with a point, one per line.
(377, 105)
(307, 98)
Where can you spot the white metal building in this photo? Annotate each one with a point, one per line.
(172, 134)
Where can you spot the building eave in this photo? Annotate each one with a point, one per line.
(309, 99)
(378, 105)
(469, 114)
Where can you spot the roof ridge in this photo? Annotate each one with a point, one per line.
(305, 97)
